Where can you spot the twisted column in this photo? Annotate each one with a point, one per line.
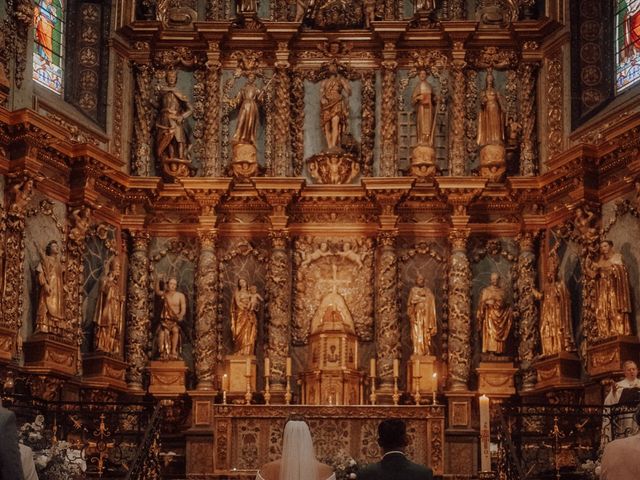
(527, 75)
(279, 307)
(387, 328)
(211, 165)
(527, 308)
(206, 311)
(389, 127)
(457, 124)
(282, 104)
(138, 324)
(459, 311)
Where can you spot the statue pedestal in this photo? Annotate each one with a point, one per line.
(245, 161)
(235, 367)
(104, 370)
(167, 377)
(423, 162)
(607, 357)
(176, 168)
(496, 379)
(7, 343)
(337, 168)
(45, 354)
(493, 164)
(558, 371)
(426, 383)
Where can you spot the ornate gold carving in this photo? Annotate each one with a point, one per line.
(211, 165)
(388, 330)
(368, 121)
(459, 301)
(138, 323)
(457, 165)
(527, 75)
(141, 163)
(555, 104)
(282, 113)
(389, 128)
(118, 106)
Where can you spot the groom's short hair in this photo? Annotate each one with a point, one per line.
(392, 434)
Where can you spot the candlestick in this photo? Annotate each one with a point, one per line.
(288, 370)
(267, 381)
(434, 386)
(396, 394)
(485, 435)
(287, 395)
(396, 367)
(372, 368)
(247, 395)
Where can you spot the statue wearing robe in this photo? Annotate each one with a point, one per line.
(50, 312)
(423, 100)
(556, 330)
(108, 313)
(491, 118)
(421, 309)
(494, 316)
(334, 109)
(244, 319)
(247, 124)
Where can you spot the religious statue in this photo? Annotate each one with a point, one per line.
(491, 133)
(22, 193)
(244, 318)
(425, 5)
(556, 330)
(172, 312)
(247, 6)
(320, 252)
(244, 140)
(495, 316)
(334, 108)
(421, 309)
(333, 312)
(108, 313)
(369, 8)
(612, 296)
(171, 137)
(50, 278)
(350, 254)
(80, 221)
(422, 99)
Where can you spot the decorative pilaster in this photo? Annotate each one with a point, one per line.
(206, 311)
(211, 166)
(279, 306)
(142, 141)
(527, 77)
(527, 308)
(138, 322)
(387, 325)
(555, 106)
(456, 10)
(459, 311)
(458, 65)
(389, 127)
(281, 166)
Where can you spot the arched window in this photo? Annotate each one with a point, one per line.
(48, 53)
(627, 43)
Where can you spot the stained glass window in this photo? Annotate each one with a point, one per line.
(48, 53)
(627, 42)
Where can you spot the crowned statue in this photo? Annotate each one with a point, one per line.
(491, 133)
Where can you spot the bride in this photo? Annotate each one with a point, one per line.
(298, 460)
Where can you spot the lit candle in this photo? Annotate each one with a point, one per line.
(372, 368)
(267, 367)
(416, 368)
(288, 371)
(225, 382)
(396, 367)
(485, 435)
(434, 381)
(248, 367)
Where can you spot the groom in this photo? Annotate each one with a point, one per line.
(392, 438)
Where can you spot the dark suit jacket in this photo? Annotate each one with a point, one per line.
(394, 466)
(10, 464)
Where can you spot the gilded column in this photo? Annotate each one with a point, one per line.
(527, 308)
(282, 105)
(211, 165)
(138, 321)
(459, 303)
(279, 307)
(205, 344)
(389, 127)
(141, 162)
(457, 166)
(387, 328)
(554, 101)
(527, 76)
(20, 193)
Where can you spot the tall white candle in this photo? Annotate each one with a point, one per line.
(248, 368)
(416, 368)
(225, 382)
(396, 367)
(372, 368)
(267, 367)
(288, 370)
(485, 435)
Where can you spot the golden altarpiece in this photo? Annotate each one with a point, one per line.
(347, 211)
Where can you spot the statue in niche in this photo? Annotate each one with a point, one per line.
(244, 318)
(495, 316)
(423, 155)
(244, 140)
(334, 108)
(425, 5)
(612, 296)
(171, 136)
(333, 312)
(247, 6)
(421, 310)
(172, 312)
(556, 330)
(491, 131)
(108, 314)
(50, 278)
(333, 13)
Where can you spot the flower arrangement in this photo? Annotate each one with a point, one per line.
(54, 459)
(344, 466)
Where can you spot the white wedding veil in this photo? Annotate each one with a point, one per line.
(298, 456)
